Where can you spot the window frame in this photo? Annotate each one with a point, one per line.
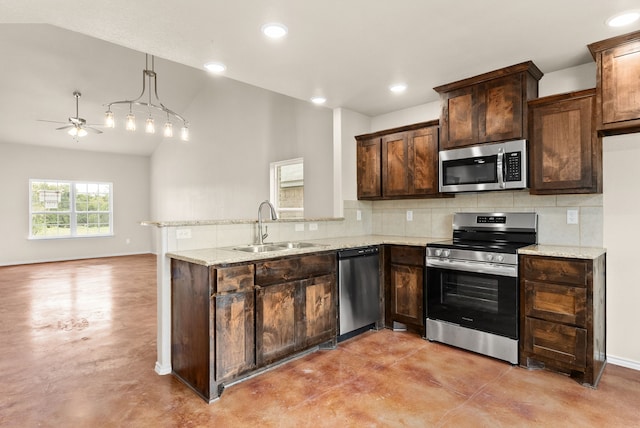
(73, 211)
(274, 184)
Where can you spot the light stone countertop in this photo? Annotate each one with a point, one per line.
(562, 251)
(225, 255)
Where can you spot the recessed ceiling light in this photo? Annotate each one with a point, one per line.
(318, 100)
(274, 30)
(215, 67)
(622, 19)
(398, 88)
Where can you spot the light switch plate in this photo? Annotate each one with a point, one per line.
(359, 215)
(572, 216)
(313, 226)
(409, 215)
(299, 227)
(183, 233)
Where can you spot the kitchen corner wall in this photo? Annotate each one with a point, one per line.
(433, 217)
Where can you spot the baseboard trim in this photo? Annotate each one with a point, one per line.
(617, 361)
(67, 259)
(162, 370)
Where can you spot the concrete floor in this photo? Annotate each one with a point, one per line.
(79, 348)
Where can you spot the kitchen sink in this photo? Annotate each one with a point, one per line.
(278, 246)
(258, 248)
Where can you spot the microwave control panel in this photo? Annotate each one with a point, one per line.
(513, 170)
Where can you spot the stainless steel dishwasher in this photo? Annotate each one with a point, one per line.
(358, 290)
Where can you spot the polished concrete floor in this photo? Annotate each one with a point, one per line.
(79, 347)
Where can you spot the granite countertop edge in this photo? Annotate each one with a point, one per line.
(226, 255)
(563, 251)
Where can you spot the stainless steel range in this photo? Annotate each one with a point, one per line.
(472, 283)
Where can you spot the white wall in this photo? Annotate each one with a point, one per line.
(130, 178)
(621, 156)
(236, 131)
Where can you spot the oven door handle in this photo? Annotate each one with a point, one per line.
(474, 267)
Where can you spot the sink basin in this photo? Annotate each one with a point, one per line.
(297, 244)
(278, 246)
(258, 248)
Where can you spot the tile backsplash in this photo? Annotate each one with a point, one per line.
(433, 217)
(430, 218)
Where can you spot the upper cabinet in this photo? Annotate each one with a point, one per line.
(397, 163)
(487, 108)
(617, 84)
(565, 150)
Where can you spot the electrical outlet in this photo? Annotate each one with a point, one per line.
(183, 234)
(359, 215)
(572, 216)
(313, 226)
(409, 215)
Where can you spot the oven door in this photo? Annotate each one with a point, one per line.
(477, 295)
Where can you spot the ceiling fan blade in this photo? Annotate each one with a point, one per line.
(50, 121)
(94, 130)
(65, 127)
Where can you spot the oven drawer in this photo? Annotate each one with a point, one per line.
(558, 342)
(557, 303)
(564, 271)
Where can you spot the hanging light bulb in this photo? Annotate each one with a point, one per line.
(168, 129)
(184, 133)
(109, 122)
(149, 126)
(130, 122)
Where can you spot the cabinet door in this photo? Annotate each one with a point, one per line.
(423, 155)
(501, 109)
(565, 149)
(407, 294)
(275, 322)
(395, 165)
(234, 339)
(620, 83)
(369, 162)
(459, 119)
(559, 342)
(316, 311)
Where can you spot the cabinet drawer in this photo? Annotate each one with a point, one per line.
(234, 278)
(559, 303)
(283, 270)
(407, 255)
(555, 341)
(548, 269)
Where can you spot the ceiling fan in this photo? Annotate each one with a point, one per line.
(76, 126)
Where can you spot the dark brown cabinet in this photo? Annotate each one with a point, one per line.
(617, 84)
(404, 286)
(295, 305)
(398, 163)
(565, 150)
(487, 108)
(212, 315)
(369, 162)
(563, 315)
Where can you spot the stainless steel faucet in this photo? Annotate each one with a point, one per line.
(274, 216)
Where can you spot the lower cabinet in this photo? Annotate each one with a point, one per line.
(295, 305)
(563, 315)
(404, 286)
(229, 321)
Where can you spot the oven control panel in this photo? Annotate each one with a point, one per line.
(475, 256)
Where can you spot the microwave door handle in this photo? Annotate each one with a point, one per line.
(500, 167)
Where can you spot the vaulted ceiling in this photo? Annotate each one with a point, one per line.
(347, 51)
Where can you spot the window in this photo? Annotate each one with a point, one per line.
(65, 209)
(287, 188)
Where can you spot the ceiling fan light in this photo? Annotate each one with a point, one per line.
(73, 131)
(82, 132)
(130, 123)
(149, 126)
(109, 121)
(168, 129)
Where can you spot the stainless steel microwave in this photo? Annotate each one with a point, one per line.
(497, 166)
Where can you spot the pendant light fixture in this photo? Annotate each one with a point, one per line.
(149, 89)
